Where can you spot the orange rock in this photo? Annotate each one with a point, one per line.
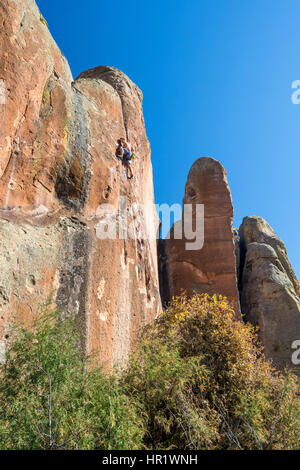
(57, 166)
(211, 269)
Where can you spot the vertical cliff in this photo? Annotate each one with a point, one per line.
(76, 233)
(62, 188)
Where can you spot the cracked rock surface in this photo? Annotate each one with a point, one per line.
(57, 167)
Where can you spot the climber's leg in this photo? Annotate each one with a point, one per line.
(129, 170)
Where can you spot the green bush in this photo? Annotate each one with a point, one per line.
(197, 380)
(51, 399)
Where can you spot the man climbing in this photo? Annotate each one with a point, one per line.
(123, 151)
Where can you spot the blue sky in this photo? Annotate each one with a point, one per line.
(216, 77)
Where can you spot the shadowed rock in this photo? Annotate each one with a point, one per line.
(269, 290)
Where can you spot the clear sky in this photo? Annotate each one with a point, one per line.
(216, 77)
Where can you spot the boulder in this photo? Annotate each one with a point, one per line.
(269, 290)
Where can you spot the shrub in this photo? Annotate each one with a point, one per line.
(204, 382)
(51, 399)
(159, 378)
(197, 380)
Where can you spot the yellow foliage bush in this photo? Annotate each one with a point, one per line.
(205, 383)
(198, 380)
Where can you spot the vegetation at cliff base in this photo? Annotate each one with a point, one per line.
(50, 397)
(197, 380)
(205, 384)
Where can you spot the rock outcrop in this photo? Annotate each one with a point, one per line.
(77, 235)
(211, 268)
(57, 169)
(270, 294)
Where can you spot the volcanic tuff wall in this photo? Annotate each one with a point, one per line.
(57, 166)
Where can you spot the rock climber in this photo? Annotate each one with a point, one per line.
(126, 154)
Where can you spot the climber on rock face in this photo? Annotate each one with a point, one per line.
(119, 151)
(125, 152)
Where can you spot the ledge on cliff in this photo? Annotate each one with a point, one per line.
(114, 77)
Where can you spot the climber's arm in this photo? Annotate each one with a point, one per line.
(119, 151)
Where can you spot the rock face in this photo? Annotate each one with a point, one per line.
(270, 294)
(57, 169)
(212, 268)
(75, 234)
